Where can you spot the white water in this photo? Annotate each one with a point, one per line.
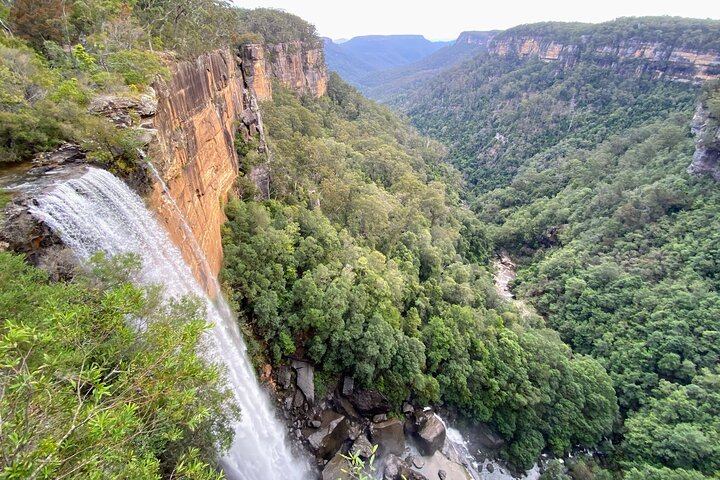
(98, 212)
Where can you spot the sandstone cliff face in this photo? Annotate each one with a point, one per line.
(706, 160)
(296, 65)
(635, 57)
(197, 113)
(200, 110)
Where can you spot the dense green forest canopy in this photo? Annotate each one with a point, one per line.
(689, 33)
(494, 113)
(365, 263)
(580, 173)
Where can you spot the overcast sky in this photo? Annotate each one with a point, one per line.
(445, 19)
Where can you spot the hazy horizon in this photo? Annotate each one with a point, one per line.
(348, 19)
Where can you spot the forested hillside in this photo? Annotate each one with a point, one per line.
(581, 174)
(364, 263)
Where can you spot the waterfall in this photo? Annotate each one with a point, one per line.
(98, 212)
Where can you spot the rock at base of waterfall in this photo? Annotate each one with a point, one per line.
(298, 399)
(334, 469)
(348, 386)
(407, 408)
(344, 406)
(305, 379)
(362, 447)
(397, 469)
(490, 468)
(442, 474)
(389, 436)
(379, 418)
(417, 461)
(331, 435)
(284, 377)
(430, 435)
(370, 402)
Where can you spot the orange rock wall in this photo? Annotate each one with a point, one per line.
(656, 59)
(201, 107)
(197, 115)
(296, 65)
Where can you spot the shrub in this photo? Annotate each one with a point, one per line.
(136, 67)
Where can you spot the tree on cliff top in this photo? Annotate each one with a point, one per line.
(38, 20)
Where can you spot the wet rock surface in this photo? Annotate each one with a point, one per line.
(389, 436)
(430, 434)
(370, 402)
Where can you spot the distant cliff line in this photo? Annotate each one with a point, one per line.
(681, 50)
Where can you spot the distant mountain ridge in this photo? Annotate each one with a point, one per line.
(380, 65)
(360, 56)
(390, 83)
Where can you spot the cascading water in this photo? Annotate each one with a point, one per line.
(98, 212)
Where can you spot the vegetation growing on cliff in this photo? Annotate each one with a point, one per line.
(690, 33)
(56, 56)
(83, 394)
(364, 263)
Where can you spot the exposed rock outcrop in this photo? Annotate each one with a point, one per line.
(656, 59)
(706, 130)
(297, 65)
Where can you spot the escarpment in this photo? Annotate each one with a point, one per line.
(297, 65)
(201, 108)
(636, 57)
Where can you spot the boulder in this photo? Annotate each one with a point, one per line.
(284, 377)
(348, 386)
(370, 402)
(430, 435)
(334, 469)
(305, 379)
(442, 474)
(327, 440)
(397, 469)
(362, 447)
(380, 418)
(389, 436)
(120, 110)
(343, 405)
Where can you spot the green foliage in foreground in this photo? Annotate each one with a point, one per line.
(101, 380)
(364, 263)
